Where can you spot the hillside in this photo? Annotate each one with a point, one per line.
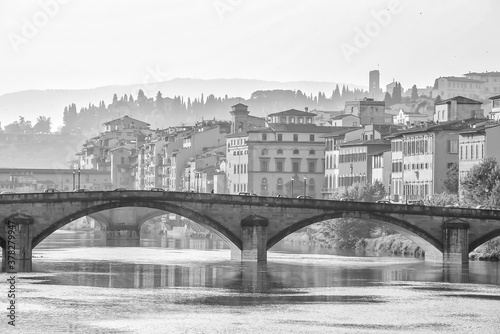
(51, 103)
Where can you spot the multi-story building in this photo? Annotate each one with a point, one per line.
(345, 120)
(476, 143)
(491, 81)
(114, 151)
(180, 147)
(368, 110)
(409, 118)
(286, 159)
(448, 87)
(355, 160)
(332, 151)
(495, 108)
(421, 157)
(456, 108)
(381, 167)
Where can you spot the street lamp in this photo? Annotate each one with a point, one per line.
(73, 178)
(292, 186)
(79, 177)
(305, 184)
(189, 180)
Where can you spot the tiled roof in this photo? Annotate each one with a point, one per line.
(342, 116)
(450, 125)
(460, 100)
(495, 97)
(462, 79)
(484, 73)
(359, 142)
(338, 131)
(292, 112)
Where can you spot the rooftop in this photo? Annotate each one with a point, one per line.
(292, 112)
(461, 79)
(360, 142)
(460, 100)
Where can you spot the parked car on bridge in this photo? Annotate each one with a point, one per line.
(347, 199)
(384, 201)
(81, 190)
(417, 202)
(51, 190)
(247, 194)
(6, 192)
(120, 189)
(282, 195)
(304, 197)
(156, 189)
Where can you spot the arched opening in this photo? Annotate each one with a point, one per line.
(433, 248)
(162, 207)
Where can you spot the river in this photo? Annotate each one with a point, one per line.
(182, 285)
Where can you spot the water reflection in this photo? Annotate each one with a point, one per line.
(283, 270)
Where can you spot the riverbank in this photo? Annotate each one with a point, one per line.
(395, 244)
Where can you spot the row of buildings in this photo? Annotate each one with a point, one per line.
(295, 152)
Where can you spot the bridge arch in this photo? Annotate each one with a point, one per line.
(422, 238)
(484, 238)
(197, 217)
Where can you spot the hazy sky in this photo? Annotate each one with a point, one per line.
(49, 44)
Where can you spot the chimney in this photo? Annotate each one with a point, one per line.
(306, 109)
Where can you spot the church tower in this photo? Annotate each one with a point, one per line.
(239, 113)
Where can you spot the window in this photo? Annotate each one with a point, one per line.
(279, 184)
(311, 167)
(291, 119)
(295, 151)
(311, 137)
(280, 137)
(279, 151)
(301, 120)
(122, 160)
(263, 185)
(453, 146)
(295, 137)
(279, 166)
(311, 185)
(282, 119)
(264, 136)
(295, 167)
(312, 152)
(264, 151)
(264, 166)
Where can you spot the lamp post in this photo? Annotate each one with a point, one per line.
(305, 185)
(189, 180)
(73, 178)
(79, 177)
(292, 186)
(352, 176)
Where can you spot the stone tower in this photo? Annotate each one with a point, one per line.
(239, 113)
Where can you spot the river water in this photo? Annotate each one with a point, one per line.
(181, 285)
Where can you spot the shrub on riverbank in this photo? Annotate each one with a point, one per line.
(394, 243)
(488, 251)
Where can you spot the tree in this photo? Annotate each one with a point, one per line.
(365, 192)
(438, 99)
(345, 232)
(481, 185)
(451, 180)
(42, 125)
(396, 93)
(414, 93)
(388, 99)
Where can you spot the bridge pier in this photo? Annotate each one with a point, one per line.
(123, 237)
(254, 238)
(455, 243)
(17, 255)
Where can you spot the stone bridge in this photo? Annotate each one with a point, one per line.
(249, 224)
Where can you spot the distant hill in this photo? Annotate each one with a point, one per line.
(51, 103)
